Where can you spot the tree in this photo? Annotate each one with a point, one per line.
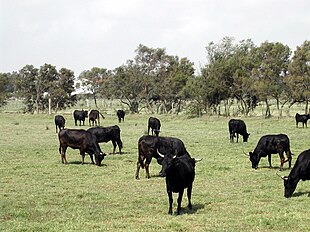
(298, 80)
(4, 88)
(93, 79)
(271, 63)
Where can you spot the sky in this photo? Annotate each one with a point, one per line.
(80, 34)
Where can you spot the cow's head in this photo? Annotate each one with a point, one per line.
(254, 158)
(167, 161)
(86, 113)
(289, 186)
(99, 158)
(156, 132)
(246, 137)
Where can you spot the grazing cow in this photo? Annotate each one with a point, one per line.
(271, 144)
(80, 115)
(82, 140)
(94, 116)
(153, 123)
(147, 149)
(106, 134)
(120, 115)
(303, 118)
(60, 122)
(180, 174)
(300, 171)
(237, 126)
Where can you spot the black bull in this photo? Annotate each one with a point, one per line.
(148, 146)
(300, 171)
(271, 144)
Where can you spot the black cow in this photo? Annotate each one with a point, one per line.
(121, 115)
(106, 134)
(147, 149)
(82, 140)
(272, 144)
(237, 126)
(180, 174)
(80, 115)
(154, 124)
(303, 118)
(300, 171)
(60, 122)
(94, 116)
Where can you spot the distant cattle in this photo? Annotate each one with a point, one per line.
(80, 115)
(303, 118)
(121, 115)
(180, 174)
(83, 140)
(106, 134)
(94, 116)
(271, 144)
(153, 124)
(148, 146)
(300, 171)
(59, 122)
(237, 126)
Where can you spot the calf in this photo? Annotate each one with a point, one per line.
(79, 139)
(94, 117)
(121, 115)
(271, 144)
(180, 174)
(147, 149)
(237, 126)
(106, 134)
(303, 118)
(60, 122)
(80, 115)
(300, 171)
(154, 124)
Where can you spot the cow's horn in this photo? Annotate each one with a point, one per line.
(197, 160)
(245, 153)
(282, 177)
(161, 155)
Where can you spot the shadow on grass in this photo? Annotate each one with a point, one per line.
(195, 208)
(298, 194)
(85, 163)
(275, 168)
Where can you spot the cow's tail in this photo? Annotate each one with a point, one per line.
(102, 115)
(140, 157)
(59, 149)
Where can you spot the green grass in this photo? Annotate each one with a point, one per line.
(39, 193)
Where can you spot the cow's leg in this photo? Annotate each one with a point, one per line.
(269, 160)
(75, 121)
(282, 160)
(120, 145)
(189, 196)
(147, 164)
(137, 171)
(82, 152)
(92, 159)
(114, 146)
(237, 137)
(63, 155)
(170, 201)
(180, 201)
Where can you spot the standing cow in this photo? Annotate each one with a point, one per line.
(80, 115)
(300, 171)
(83, 140)
(272, 144)
(106, 134)
(237, 126)
(154, 124)
(60, 122)
(121, 115)
(147, 149)
(180, 174)
(94, 117)
(303, 118)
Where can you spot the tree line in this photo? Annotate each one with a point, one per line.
(236, 73)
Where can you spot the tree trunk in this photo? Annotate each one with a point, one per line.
(49, 105)
(268, 114)
(307, 107)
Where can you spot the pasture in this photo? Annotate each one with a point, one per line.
(39, 193)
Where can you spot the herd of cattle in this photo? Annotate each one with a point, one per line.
(177, 165)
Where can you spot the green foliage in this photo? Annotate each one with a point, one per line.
(4, 88)
(39, 193)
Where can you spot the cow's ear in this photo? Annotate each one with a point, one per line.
(250, 153)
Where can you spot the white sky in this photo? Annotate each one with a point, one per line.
(81, 34)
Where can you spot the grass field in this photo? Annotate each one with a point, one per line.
(39, 193)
